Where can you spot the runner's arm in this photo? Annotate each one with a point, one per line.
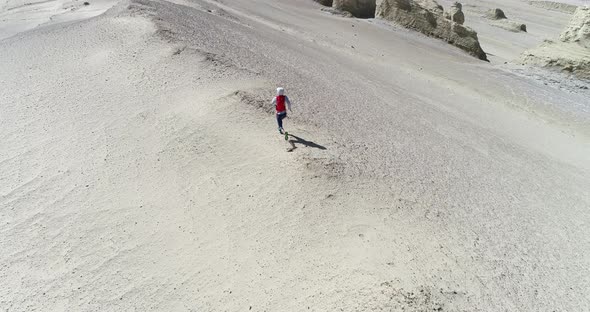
(288, 102)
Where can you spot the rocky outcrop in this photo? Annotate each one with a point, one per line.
(496, 14)
(510, 25)
(571, 53)
(566, 56)
(358, 8)
(578, 30)
(455, 13)
(499, 19)
(427, 17)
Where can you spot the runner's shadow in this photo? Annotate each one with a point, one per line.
(303, 142)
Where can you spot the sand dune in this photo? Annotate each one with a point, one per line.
(142, 169)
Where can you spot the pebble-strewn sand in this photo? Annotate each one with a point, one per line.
(141, 168)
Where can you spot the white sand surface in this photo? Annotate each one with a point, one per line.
(142, 169)
(21, 15)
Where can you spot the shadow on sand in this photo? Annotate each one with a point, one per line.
(293, 140)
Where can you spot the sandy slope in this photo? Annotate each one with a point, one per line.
(20, 15)
(139, 171)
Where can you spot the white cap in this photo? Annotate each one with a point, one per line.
(280, 91)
